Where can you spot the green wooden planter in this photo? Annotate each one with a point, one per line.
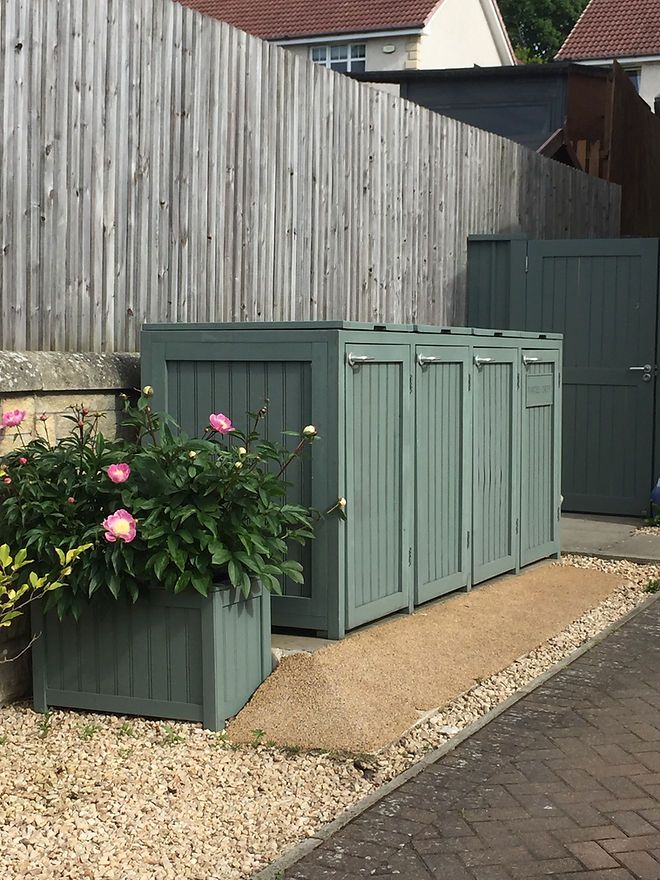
(181, 656)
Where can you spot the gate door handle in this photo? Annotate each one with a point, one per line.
(528, 360)
(423, 360)
(644, 369)
(479, 361)
(355, 360)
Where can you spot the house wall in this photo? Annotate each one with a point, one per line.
(649, 83)
(459, 35)
(376, 58)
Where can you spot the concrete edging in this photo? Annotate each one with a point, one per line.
(275, 871)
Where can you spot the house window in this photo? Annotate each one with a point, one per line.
(634, 74)
(345, 57)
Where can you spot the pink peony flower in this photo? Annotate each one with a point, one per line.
(120, 526)
(22, 460)
(221, 423)
(71, 499)
(7, 480)
(119, 473)
(13, 418)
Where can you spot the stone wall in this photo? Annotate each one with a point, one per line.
(49, 383)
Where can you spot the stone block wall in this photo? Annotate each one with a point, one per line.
(49, 383)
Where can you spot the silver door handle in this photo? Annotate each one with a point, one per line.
(355, 360)
(479, 361)
(645, 369)
(528, 360)
(423, 360)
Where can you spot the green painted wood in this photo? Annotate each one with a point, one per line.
(443, 463)
(495, 272)
(235, 371)
(379, 447)
(168, 656)
(603, 296)
(540, 483)
(496, 462)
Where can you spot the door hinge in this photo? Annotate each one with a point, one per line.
(468, 540)
(469, 382)
(411, 383)
(517, 525)
(526, 262)
(409, 555)
(518, 381)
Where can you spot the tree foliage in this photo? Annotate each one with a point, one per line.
(539, 27)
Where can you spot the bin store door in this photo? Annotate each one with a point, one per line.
(540, 492)
(443, 464)
(496, 450)
(379, 481)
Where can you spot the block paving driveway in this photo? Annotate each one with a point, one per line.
(566, 783)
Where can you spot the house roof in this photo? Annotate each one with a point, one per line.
(614, 29)
(279, 19)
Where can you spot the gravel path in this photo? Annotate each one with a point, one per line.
(107, 798)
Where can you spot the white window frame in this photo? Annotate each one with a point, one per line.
(323, 54)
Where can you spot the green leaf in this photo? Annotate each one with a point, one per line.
(219, 553)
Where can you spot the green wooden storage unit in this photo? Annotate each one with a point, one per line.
(426, 431)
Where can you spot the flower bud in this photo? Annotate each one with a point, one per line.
(192, 454)
(148, 391)
(71, 500)
(309, 431)
(7, 480)
(22, 460)
(43, 417)
(341, 504)
(84, 411)
(242, 451)
(238, 465)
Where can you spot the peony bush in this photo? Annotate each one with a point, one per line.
(162, 509)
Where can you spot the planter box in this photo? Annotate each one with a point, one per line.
(172, 656)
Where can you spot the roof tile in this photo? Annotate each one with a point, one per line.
(278, 19)
(614, 29)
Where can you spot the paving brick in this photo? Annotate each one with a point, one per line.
(592, 855)
(632, 823)
(641, 864)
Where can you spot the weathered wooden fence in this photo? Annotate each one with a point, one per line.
(158, 165)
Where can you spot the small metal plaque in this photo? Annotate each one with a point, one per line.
(540, 390)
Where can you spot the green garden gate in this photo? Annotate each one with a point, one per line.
(603, 296)
(424, 430)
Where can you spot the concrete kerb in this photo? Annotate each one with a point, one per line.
(275, 871)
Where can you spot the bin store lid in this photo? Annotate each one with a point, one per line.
(352, 325)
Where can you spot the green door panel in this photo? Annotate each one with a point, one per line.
(379, 480)
(540, 492)
(443, 463)
(496, 426)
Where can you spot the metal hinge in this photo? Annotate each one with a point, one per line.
(468, 540)
(411, 383)
(409, 555)
(517, 526)
(469, 382)
(526, 263)
(518, 381)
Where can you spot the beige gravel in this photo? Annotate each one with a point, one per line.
(365, 692)
(109, 798)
